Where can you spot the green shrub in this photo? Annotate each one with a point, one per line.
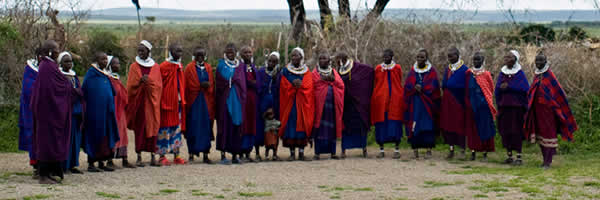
(9, 130)
(537, 34)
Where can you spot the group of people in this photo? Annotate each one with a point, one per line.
(259, 106)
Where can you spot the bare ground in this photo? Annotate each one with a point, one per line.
(352, 178)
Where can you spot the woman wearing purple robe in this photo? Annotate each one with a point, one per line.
(25, 116)
(358, 82)
(511, 97)
(51, 105)
(65, 64)
(231, 99)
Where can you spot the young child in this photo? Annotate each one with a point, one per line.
(271, 130)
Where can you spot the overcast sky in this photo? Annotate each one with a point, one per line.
(312, 4)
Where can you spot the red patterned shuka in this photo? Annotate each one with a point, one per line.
(547, 96)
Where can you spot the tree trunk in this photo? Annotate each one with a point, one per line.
(378, 9)
(344, 8)
(325, 12)
(297, 17)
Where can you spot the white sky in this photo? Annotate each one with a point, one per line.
(312, 4)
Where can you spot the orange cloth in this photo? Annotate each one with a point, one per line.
(305, 102)
(193, 88)
(169, 102)
(381, 101)
(149, 94)
(121, 116)
(484, 79)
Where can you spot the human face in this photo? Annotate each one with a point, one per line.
(387, 58)
(540, 61)
(247, 55)
(115, 65)
(103, 61)
(452, 56)
(230, 53)
(510, 60)
(477, 60)
(296, 58)
(199, 55)
(143, 52)
(272, 62)
(421, 59)
(54, 51)
(324, 61)
(66, 63)
(176, 52)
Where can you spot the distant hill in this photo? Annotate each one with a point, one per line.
(277, 16)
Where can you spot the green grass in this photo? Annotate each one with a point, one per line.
(255, 194)
(322, 186)
(365, 189)
(219, 196)
(480, 196)
(401, 189)
(37, 196)
(200, 194)
(592, 184)
(335, 197)
(250, 184)
(226, 190)
(108, 195)
(434, 184)
(168, 191)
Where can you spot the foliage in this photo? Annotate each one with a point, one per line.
(11, 50)
(104, 41)
(577, 33)
(9, 131)
(537, 34)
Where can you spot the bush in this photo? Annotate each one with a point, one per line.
(105, 41)
(576, 33)
(9, 131)
(11, 64)
(537, 34)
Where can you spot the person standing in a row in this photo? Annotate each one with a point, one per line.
(53, 95)
(144, 90)
(200, 107)
(296, 105)
(358, 88)
(387, 103)
(101, 132)
(452, 121)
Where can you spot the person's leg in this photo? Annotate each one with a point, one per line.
(343, 153)
(275, 157)
(292, 154)
(109, 163)
(518, 161)
(429, 154)
(126, 163)
(485, 156)
(509, 155)
(45, 174)
(91, 166)
(451, 153)
(473, 155)
(257, 153)
(381, 151)
(104, 167)
(415, 153)
(397, 150)
(138, 162)
(365, 152)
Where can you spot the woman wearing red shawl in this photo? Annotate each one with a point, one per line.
(200, 110)
(250, 135)
(329, 107)
(511, 97)
(296, 105)
(548, 111)
(230, 102)
(144, 89)
(65, 65)
(172, 104)
(358, 88)
(387, 102)
(422, 90)
(114, 66)
(452, 120)
(480, 108)
(51, 105)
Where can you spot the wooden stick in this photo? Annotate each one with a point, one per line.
(279, 41)
(167, 48)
